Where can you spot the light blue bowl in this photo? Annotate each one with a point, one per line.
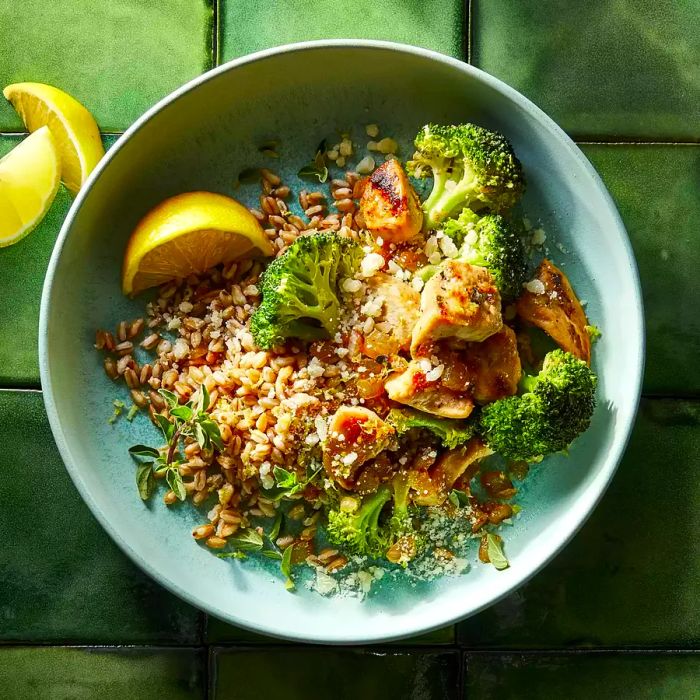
(199, 138)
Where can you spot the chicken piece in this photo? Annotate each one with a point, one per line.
(433, 490)
(460, 301)
(400, 312)
(414, 387)
(494, 366)
(390, 205)
(355, 435)
(557, 311)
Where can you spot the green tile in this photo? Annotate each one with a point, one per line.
(219, 632)
(630, 577)
(62, 579)
(583, 676)
(23, 267)
(58, 673)
(251, 25)
(333, 674)
(600, 68)
(117, 57)
(656, 189)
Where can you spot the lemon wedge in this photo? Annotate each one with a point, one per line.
(187, 234)
(73, 127)
(29, 178)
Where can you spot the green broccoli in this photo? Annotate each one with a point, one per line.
(471, 166)
(556, 408)
(405, 540)
(356, 529)
(451, 432)
(494, 243)
(300, 289)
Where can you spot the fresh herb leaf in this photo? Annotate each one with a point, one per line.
(118, 408)
(249, 540)
(286, 567)
(184, 413)
(237, 554)
(143, 451)
(271, 554)
(317, 167)
(275, 529)
(494, 547)
(172, 476)
(283, 478)
(201, 437)
(171, 399)
(145, 481)
(161, 464)
(166, 427)
(204, 398)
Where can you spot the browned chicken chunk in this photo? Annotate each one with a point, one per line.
(415, 387)
(494, 366)
(460, 301)
(400, 311)
(355, 435)
(557, 311)
(433, 490)
(390, 205)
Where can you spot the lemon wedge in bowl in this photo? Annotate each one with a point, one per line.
(189, 233)
(29, 178)
(73, 127)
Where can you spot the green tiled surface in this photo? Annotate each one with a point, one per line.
(62, 579)
(117, 57)
(22, 269)
(218, 632)
(583, 676)
(608, 70)
(630, 577)
(601, 68)
(347, 674)
(252, 25)
(60, 673)
(656, 189)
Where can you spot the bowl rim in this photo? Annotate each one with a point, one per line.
(584, 506)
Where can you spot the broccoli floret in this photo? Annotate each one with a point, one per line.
(300, 289)
(356, 527)
(494, 243)
(556, 408)
(452, 433)
(405, 540)
(471, 167)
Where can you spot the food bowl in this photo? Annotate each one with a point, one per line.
(200, 138)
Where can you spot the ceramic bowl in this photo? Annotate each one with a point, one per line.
(199, 138)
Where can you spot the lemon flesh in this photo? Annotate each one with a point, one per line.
(29, 178)
(188, 234)
(72, 126)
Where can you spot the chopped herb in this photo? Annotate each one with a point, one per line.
(286, 567)
(271, 554)
(132, 412)
(288, 483)
(275, 529)
(145, 481)
(249, 540)
(494, 547)
(118, 408)
(188, 420)
(317, 167)
(236, 554)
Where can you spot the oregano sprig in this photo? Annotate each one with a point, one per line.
(188, 420)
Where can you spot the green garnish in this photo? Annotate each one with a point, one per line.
(118, 408)
(286, 567)
(494, 547)
(458, 498)
(132, 412)
(317, 167)
(188, 420)
(594, 333)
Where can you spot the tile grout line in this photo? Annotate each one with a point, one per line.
(469, 30)
(215, 26)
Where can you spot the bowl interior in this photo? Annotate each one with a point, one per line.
(201, 140)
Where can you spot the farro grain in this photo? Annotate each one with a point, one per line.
(336, 564)
(111, 368)
(122, 331)
(131, 378)
(135, 327)
(345, 205)
(123, 363)
(216, 542)
(169, 498)
(313, 210)
(203, 531)
(342, 192)
(124, 348)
